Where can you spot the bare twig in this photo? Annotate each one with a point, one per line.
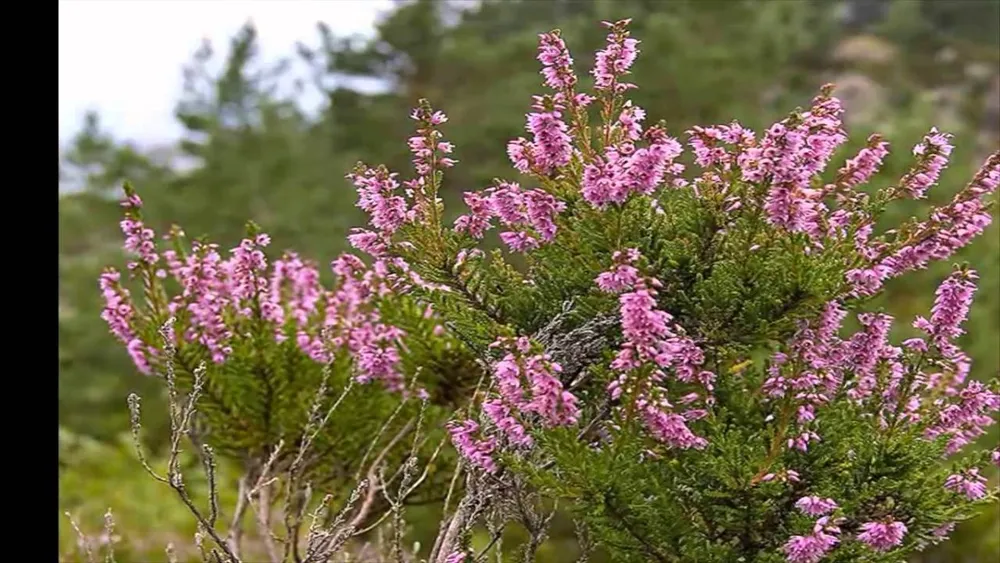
(495, 536)
(136, 424)
(584, 541)
(82, 539)
(181, 418)
(262, 508)
(264, 520)
(235, 536)
(295, 503)
(213, 489)
(109, 534)
(171, 554)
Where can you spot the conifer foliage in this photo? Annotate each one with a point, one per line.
(659, 343)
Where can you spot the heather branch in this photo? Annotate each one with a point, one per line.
(314, 425)
(181, 417)
(495, 537)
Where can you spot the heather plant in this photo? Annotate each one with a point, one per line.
(660, 338)
(302, 387)
(668, 357)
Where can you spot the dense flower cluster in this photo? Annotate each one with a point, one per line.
(858, 170)
(527, 388)
(789, 155)
(882, 535)
(969, 483)
(625, 170)
(475, 447)
(816, 506)
(948, 229)
(932, 154)
(866, 363)
(615, 59)
(531, 212)
(813, 547)
(119, 314)
(217, 295)
(387, 210)
(652, 342)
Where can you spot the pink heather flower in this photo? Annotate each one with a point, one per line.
(643, 325)
(519, 241)
(882, 535)
(858, 170)
(932, 156)
(376, 355)
(375, 188)
(709, 144)
(369, 242)
(630, 121)
(943, 531)
(552, 147)
(118, 310)
(557, 64)
(615, 59)
(500, 414)
(294, 284)
(950, 227)
(866, 348)
(131, 201)
(801, 441)
(245, 270)
(478, 220)
(646, 167)
(599, 184)
(533, 209)
(783, 476)
(531, 384)
(521, 154)
(478, 452)
(541, 209)
(139, 352)
(808, 549)
(621, 277)
(139, 240)
(625, 170)
(965, 417)
(813, 547)
(791, 153)
(816, 506)
(650, 339)
(969, 483)
(670, 428)
(206, 292)
(867, 281)
(951, 307)
(427, 147)
(995, 457)
(455, 557)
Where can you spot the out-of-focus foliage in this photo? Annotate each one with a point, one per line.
(250, 151)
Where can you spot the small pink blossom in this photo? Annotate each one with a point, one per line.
(816, 506)
(969, 483)
(882, 535)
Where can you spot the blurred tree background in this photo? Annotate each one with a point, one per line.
(251, 151)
